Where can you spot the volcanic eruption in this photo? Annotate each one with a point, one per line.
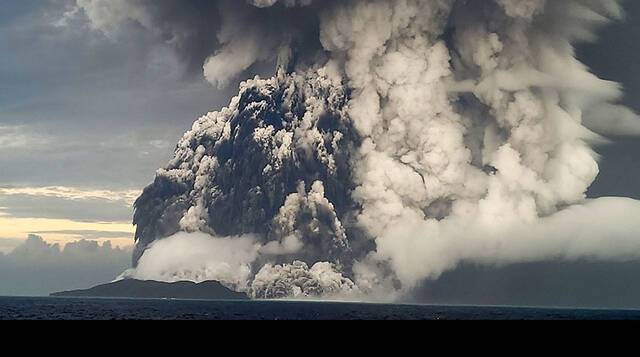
(395, 140)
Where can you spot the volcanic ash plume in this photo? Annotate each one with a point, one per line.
(397, 140)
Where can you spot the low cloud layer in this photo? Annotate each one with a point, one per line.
(7, 245)
(35, 267)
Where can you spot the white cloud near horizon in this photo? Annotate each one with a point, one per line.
(36, 267)
(63, 231)
(65, 214)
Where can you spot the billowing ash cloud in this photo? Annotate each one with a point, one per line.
(227, 37)
(186, 26)
(397, 140)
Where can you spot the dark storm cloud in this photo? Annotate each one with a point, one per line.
(619, 169)
(91, 109)
(562, 284)
(228, 38)
(615, 57)
(186, 26)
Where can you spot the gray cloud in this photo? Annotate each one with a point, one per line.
(619, 169)
(89, 234)
(8, 244)
(228, 37)
(551, 283)
(89, 109)
(185, 26)
(90, 210)
(37, 268)
(615, 57)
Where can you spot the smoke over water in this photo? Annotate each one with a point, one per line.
(396, 140)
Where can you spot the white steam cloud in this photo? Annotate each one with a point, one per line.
(600, 229)
(199, 257)
(473, 121)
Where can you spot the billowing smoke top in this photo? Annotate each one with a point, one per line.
(227, 36)
(397, 139)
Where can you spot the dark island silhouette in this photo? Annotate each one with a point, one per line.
(129, 288)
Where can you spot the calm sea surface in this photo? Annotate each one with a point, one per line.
(128, 309)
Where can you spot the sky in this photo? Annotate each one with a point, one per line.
(86, 119)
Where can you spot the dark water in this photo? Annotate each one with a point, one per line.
(125, 309)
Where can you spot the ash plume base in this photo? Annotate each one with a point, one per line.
(397, 140)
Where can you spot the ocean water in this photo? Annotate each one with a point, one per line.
(131, 309)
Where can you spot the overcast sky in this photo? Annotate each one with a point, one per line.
(84, 113)
(86, 119)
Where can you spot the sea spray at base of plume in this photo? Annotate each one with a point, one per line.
(297, 280)
(199, 257)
